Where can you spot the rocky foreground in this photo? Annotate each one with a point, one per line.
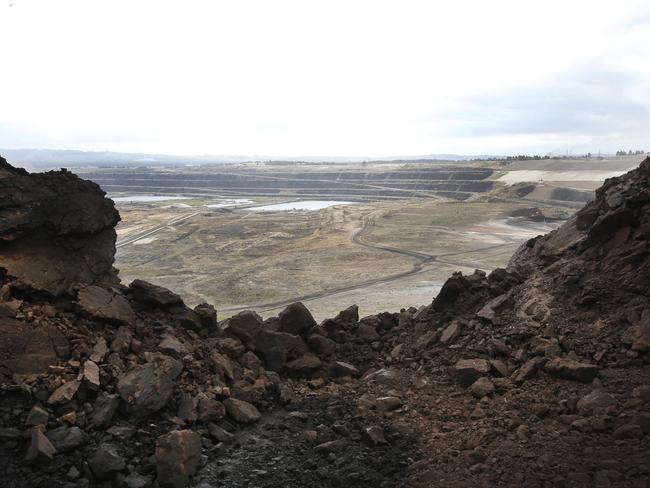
(537, 375)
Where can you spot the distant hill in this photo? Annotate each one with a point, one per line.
(39, 159)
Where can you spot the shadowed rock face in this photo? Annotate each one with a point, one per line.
(599, 258)
(55, 230)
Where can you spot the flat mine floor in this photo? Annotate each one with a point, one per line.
(381, 255)
(332, 258)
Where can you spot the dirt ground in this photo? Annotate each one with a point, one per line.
(240, 259)
(381, 255)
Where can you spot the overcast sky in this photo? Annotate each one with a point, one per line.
(325, 78)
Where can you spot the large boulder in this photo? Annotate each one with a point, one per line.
(178, 455)
(154, 295)
(147, 388)
(462, 294)
(55, 230)
(207, 315)
(244, 326)
(349, 316)
(296, 319)
(276, 348)
(105, 304)
(345, 320)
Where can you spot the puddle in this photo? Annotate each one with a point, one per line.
(147, 198)
(230, 202)
(299, 205)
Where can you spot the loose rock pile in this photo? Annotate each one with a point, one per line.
(103, 384)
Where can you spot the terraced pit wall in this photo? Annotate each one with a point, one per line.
(458, 183)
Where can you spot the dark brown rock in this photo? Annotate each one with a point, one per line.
(571, 370)
(244, 326)
(55, 230)
(249, 360)
(276, 348)
(37, 416)
(147, 388)
(222, 365)
(304, 364)
(528, 370)
(341, 368)
(25, 349)
(65, 438)
(121, 342)
(388, 403)
(40, 451)
(241, 411)
(188, 319)
(367, 332)
(104, 410)
(296, 319)
(210, 409)
(105, 304)
(374, 435)
(106, 461)
(154, 295)
(207, 315)
(469, 370)
(220, 434)
(596, 402)
(482, 387)
(64, 393)
(451, 333)
(89, 375)
(349, 316)
(178, 456)
(321, 344)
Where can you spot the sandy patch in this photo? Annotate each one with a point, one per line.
(512, 177)
(144, 240)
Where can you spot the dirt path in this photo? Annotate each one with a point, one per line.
(422, 261)
(147, 233)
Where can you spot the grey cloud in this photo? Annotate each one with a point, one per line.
(590, 101)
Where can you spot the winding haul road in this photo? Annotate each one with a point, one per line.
(422, 260)
(368, 222)
(147, 233)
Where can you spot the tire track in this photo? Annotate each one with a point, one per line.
(423, 259)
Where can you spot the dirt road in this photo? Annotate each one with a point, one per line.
(422, 260)
(147, 233)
